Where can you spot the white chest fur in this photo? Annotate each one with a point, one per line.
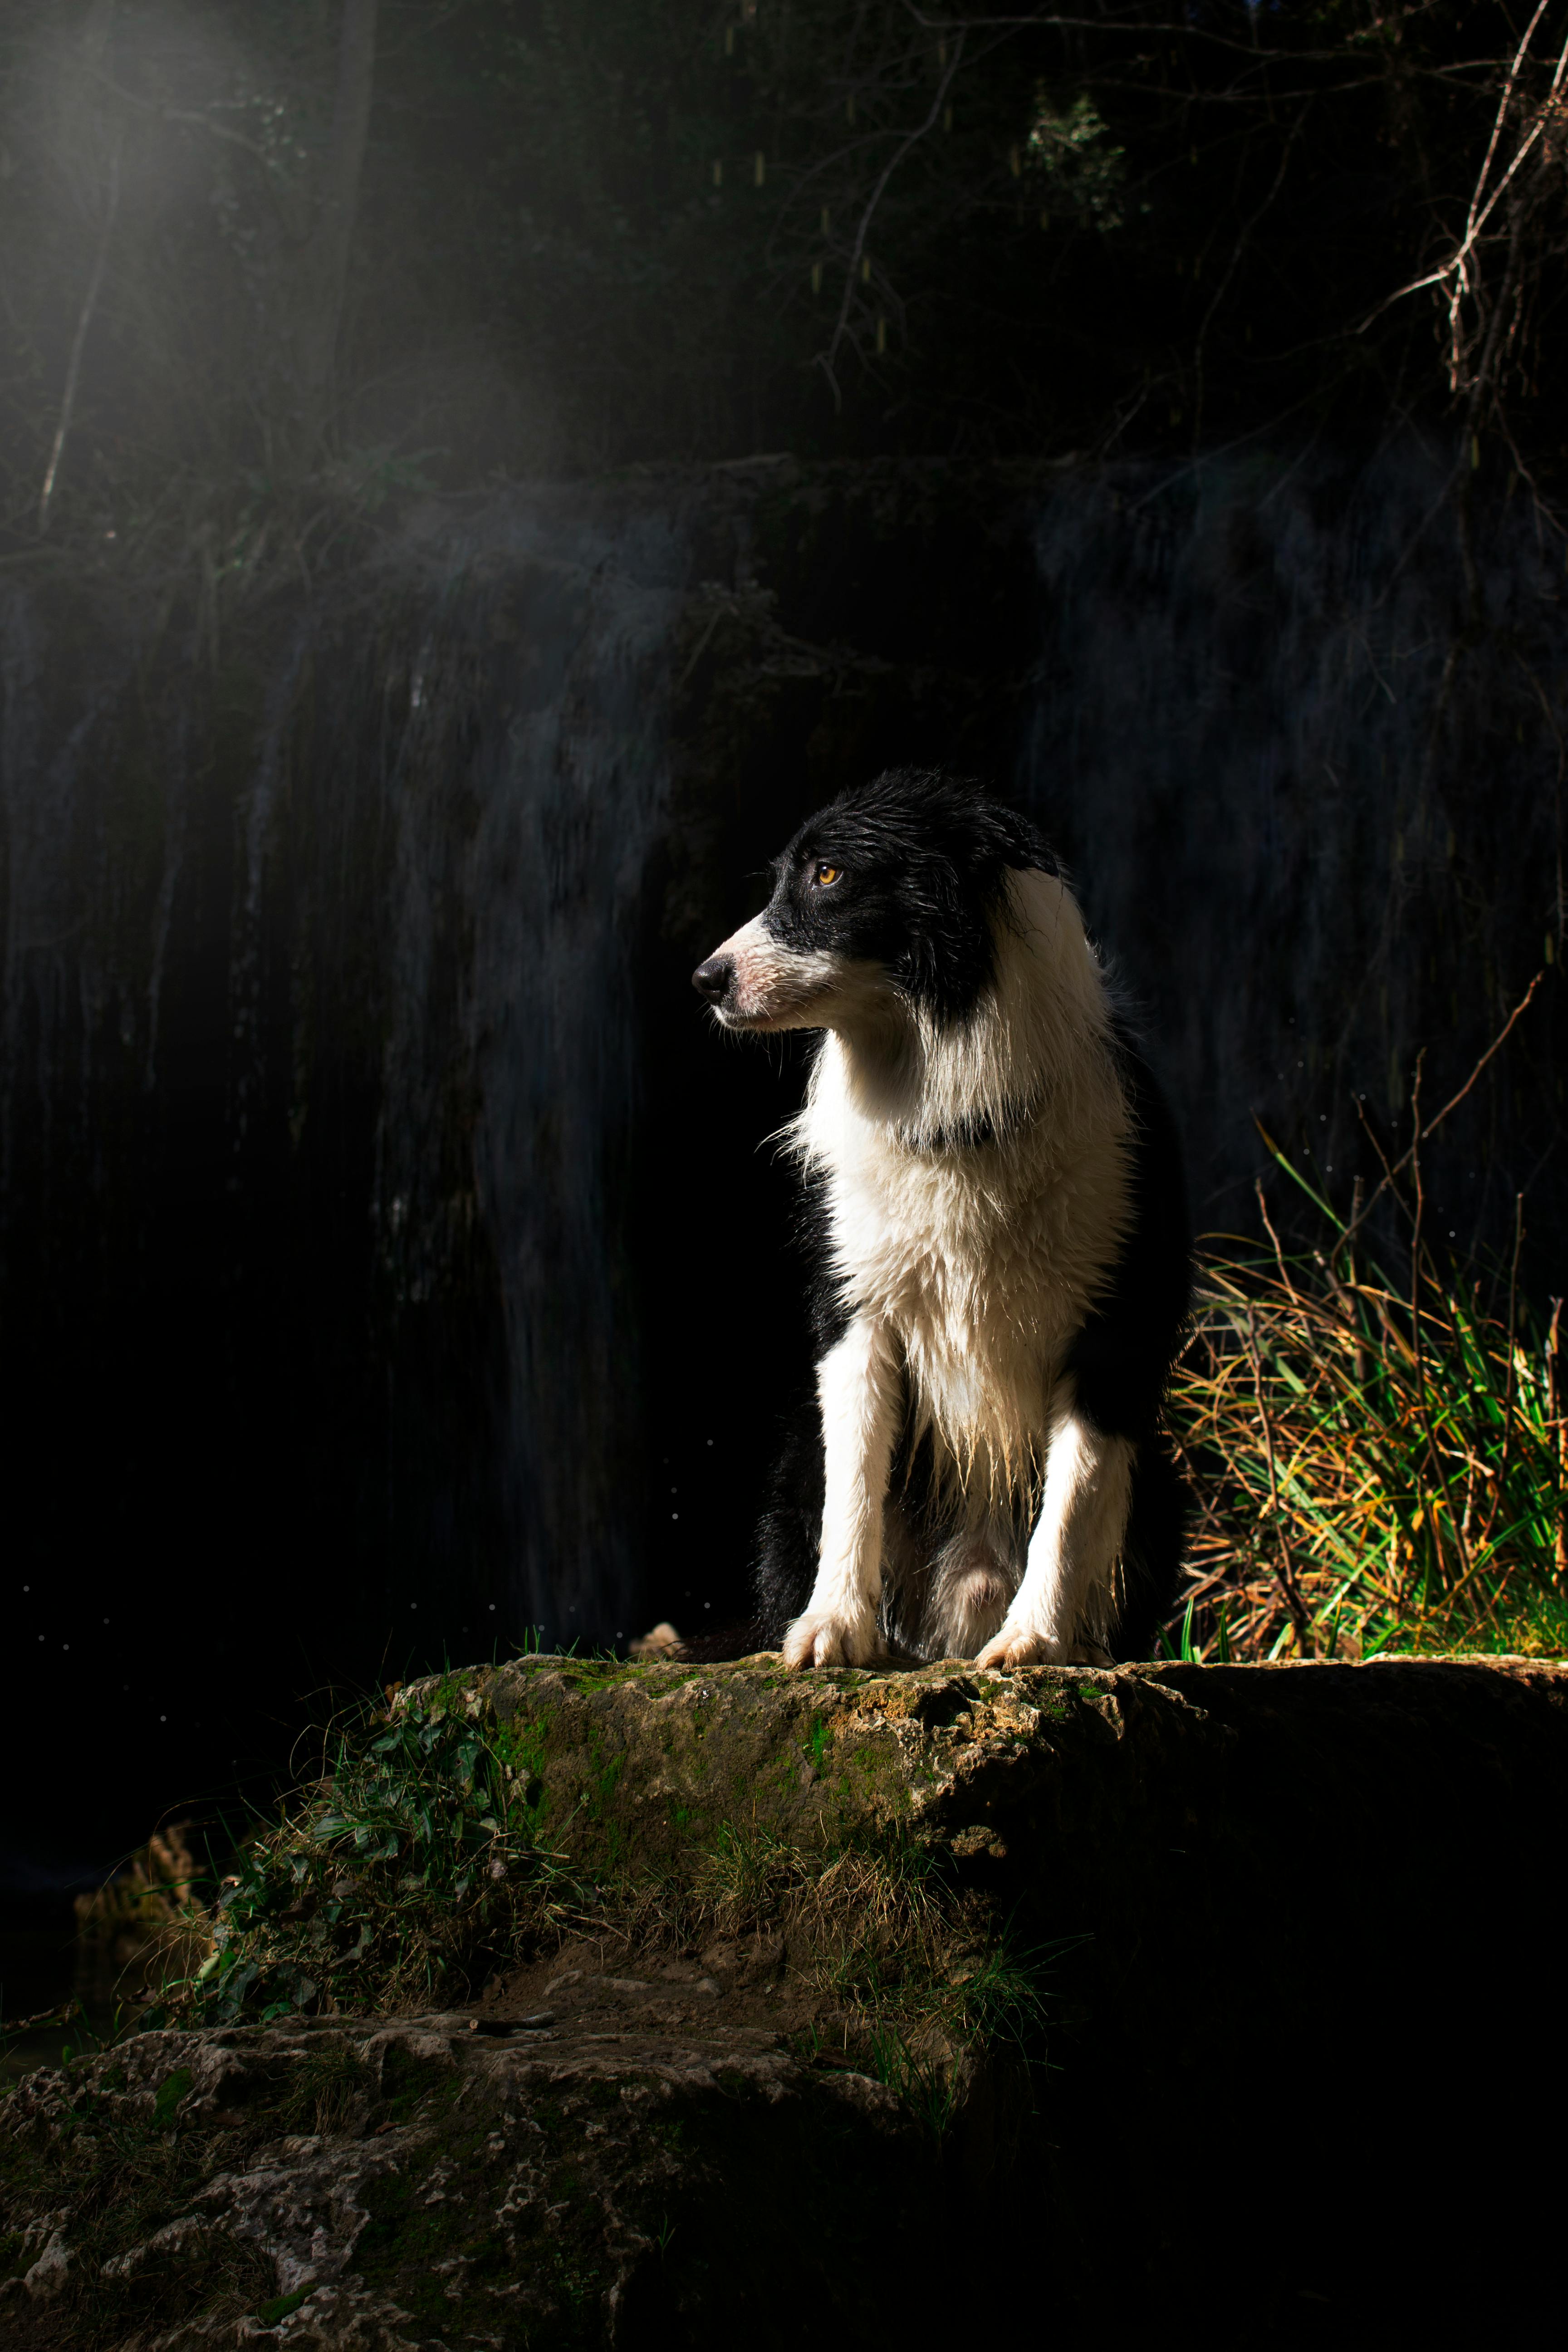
(980, 1258)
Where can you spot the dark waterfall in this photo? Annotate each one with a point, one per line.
(1301, 727)
(391, 1254)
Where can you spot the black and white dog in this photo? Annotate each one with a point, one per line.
(998, 1194)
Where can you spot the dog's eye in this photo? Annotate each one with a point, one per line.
(826, 876)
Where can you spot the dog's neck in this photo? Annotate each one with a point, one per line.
(1041, 1026)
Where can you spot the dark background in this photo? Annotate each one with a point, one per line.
(392, 1265)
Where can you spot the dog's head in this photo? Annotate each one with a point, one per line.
(891, 891)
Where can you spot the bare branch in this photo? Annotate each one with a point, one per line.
(824, 360)
(1392, 1170)
(1457, 273)
(1243, 236)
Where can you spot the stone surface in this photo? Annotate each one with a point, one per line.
(1202, 1807)
(607, 2180)
(1295, 1922)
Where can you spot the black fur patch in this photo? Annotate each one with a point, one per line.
(919, 859)
(1122, 1357)
(971, 1134)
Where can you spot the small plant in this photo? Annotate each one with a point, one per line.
(394, 1880)
(929, 2028)
(1000, 1995)
(922, 2076)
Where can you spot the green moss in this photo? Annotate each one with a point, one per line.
(400, 2232)
(438, 2261)
(281, 2306)
(589, 1675)
(171, 2091)
(408, 2079)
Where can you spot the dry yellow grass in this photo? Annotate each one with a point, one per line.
(1375, 1468)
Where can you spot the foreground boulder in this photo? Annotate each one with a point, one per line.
(865, 2000)
(418, 2183)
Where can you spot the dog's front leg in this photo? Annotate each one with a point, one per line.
(1075, 1546)
(859, 1386)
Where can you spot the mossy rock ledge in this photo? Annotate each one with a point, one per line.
(1288, 1932)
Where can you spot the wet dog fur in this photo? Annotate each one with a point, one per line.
(994, 1192)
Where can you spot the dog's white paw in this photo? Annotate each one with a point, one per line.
(821, 1639)
(1021, 1645)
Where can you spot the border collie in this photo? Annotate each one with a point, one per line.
(997, 1199)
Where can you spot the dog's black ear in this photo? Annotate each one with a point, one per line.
(947, 960)
(1026, 845)
(1002, 837)
(964, 845)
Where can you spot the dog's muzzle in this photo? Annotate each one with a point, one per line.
(752, 981)
(714, 979)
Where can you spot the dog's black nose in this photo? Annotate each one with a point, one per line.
(712, 978)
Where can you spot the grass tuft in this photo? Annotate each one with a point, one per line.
(920, 1979)
(1381, 1462)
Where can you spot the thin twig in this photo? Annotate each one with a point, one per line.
(1285, 1572)
(1434, 1452)
(1269, 1229)
(1243, 235)
(182, 114)
(824, 360)
(1559, 1421)
(1507, 1415)
(73, 365)
(1479, 214)
(1397, 1168)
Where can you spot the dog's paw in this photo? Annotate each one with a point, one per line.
(825, 1639)
(1021, 1645)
